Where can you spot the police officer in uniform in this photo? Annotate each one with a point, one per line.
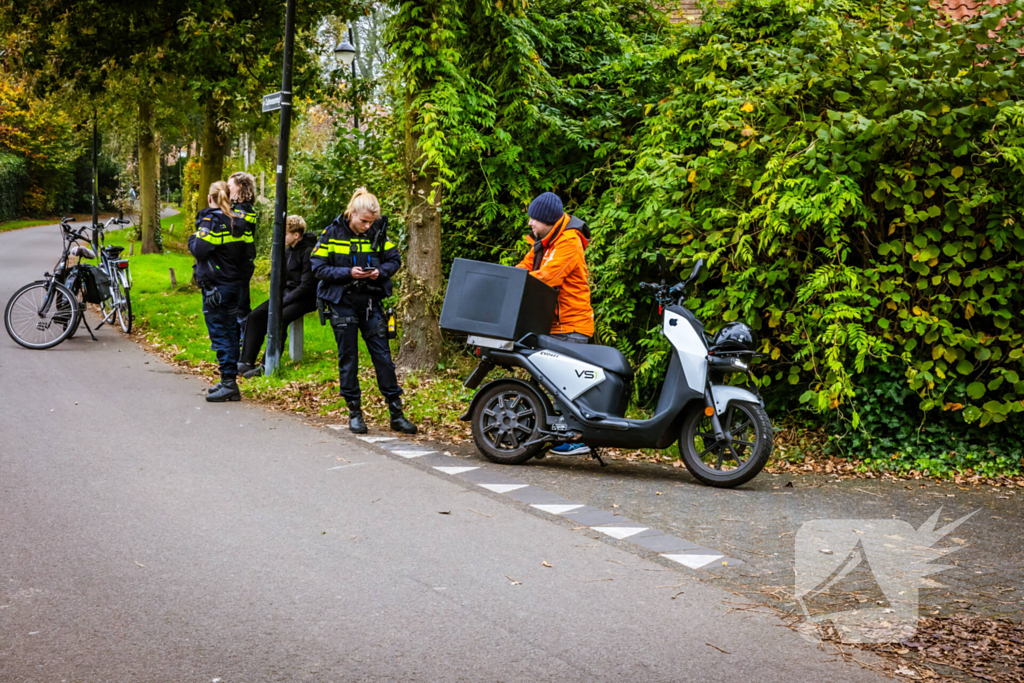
(242, 187)
(224, 253)
(354, 262)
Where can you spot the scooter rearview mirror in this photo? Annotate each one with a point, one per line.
(696, 270)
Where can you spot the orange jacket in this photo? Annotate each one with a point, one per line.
(564, 267)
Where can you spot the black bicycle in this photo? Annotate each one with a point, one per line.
(44, 313)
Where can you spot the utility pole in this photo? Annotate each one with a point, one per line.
(95, 173)
(355, 96)
(275, 329)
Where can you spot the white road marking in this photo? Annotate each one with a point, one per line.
(694, 561)
(503, 488)
(556, 509)
(619, 532)
(373, 439)
(455, 470)
(341, 467)
(412, 454)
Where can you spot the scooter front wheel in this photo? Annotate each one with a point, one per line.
(505, 419)
(739, 457)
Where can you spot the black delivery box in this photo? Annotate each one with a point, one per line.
(489, 300)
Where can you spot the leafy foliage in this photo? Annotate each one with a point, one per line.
(544, 104)
(899, 440)
(13, 177)
(40, 132)
(853, 180)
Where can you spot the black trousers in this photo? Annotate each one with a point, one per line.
(348, 320)
(256, 327)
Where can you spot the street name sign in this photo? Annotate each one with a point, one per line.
(271, 102)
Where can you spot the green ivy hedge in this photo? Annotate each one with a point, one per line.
(854, 177)
(13, 179)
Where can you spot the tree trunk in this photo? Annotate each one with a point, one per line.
(149, 155)
(215, 145)
(421, 282)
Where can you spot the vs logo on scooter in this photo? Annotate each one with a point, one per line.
(586, 374)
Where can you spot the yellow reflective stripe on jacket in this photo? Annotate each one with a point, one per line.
(347, 247)
(223, 237)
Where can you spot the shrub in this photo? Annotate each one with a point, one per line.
(853, 178)
(13, 178)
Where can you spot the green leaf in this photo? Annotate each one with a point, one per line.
(840, 96)
(965, 367)
(975, 390)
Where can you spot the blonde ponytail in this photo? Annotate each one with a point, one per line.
(361, 201)
(221, 197)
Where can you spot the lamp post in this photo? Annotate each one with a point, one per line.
(275, 328)
(346, 52)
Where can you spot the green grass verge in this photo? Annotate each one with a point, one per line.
(50, 220)
(171, 319)
(26, 223)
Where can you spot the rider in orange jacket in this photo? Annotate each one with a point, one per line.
(557, 260)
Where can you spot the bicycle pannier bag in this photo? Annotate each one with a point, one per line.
(97, 285)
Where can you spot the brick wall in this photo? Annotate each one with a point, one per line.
(687, 11)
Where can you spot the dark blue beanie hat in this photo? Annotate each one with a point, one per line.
(546, 208)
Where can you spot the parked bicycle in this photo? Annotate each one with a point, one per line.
(119, 304)
(44, 313)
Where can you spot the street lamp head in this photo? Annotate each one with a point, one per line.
(346, 52)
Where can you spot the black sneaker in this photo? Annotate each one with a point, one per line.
(228, 391)
(254, 372)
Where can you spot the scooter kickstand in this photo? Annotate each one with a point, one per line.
(594, 453)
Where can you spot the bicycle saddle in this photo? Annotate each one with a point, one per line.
(82, 252)
(112, 251)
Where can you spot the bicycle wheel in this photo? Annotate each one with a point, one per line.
(124, 310)
(41, 330)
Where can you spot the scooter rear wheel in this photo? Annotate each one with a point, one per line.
(740, 457)
(505, 418)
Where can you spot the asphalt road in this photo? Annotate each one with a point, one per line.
(150, 536)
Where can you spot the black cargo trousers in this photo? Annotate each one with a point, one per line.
(362, 314)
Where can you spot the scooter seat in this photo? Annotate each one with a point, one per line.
(606, 357)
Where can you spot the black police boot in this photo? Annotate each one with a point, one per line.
(356, 423)
(244, 368)
(227, 391)
(399, 422)
(214, 388)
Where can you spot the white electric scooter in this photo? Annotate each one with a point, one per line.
(579, 392)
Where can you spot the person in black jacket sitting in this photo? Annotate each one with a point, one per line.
(224, 251)
(299, 295)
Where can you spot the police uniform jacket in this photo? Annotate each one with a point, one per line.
(246, 216)
(339, 249)
(224, 250)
